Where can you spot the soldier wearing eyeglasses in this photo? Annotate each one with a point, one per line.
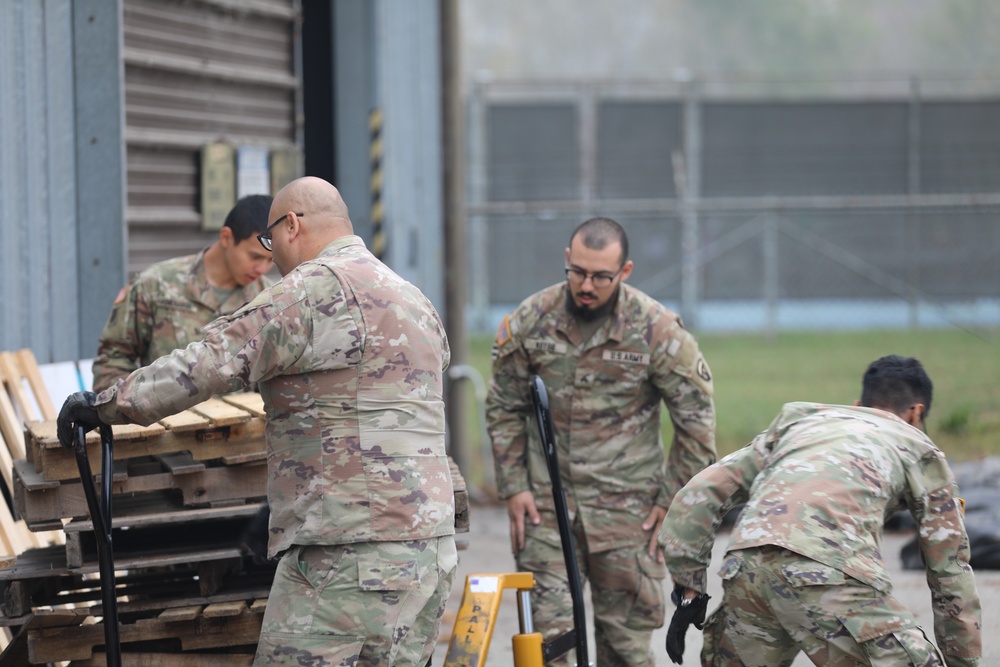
(350, 362)
(609, 355)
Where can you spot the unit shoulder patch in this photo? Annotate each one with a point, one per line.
(702, 370)
(503, 331)
(122, 293)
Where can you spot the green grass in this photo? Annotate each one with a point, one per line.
(755, 376)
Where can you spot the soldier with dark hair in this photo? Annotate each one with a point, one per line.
(165, 307)
(349, 359)
(803, 569)
(609, 355)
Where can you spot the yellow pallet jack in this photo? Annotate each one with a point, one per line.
(476, 620)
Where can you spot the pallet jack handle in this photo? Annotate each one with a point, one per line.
(100, 515)
(578, 635)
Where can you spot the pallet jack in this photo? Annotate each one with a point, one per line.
(476, 620)
(100, 514)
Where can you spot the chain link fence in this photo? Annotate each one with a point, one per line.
(749, 210)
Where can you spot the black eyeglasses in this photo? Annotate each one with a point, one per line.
(599, 280)
(265, 237)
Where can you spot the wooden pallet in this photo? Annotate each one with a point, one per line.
(229, 429)
(23, 396)
(63, 635)
(42, 580)
(184, 481)
(160, 536)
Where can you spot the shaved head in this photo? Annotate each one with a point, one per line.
(309, 214)
(315, 196)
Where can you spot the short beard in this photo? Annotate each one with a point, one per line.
(589, 314)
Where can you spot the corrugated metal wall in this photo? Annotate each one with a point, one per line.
(37, 179)
(199, 72)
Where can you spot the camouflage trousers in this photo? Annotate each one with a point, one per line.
(626, 588)
(365, 604)
(777, 603)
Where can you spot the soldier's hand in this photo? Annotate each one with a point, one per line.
(689, 611)
(78, 410)
(519, 505)
(652, 523)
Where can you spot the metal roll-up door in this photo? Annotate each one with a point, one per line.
(197, 72)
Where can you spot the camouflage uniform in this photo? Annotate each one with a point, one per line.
(164, 308)
(804, 566)
(349, 359)
(605, 398)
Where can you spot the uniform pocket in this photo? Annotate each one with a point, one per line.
(875, 619)
(648, 608)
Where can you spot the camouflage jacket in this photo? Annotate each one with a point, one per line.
(349, 359)
(605, 396)
(820, 482)
(162, 309)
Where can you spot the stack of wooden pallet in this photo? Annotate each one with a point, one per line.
(183, 491)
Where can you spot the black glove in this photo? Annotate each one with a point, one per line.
(78, 410)
(688, 612)
(253, 539)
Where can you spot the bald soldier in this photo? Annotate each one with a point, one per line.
(803, 569)
(610, 356)
(166, 306)
(349, 359)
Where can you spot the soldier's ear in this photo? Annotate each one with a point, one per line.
(294, 225)
(226, 237)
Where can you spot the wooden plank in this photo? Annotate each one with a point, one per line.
(28, 367)
(78, 643)
(12, 429)
(125, 561)
(30, 479)
(258, 605)
(43, 434)
(180, 614)
(56, 463)
(225, 609)
(250, 401)
(186, 421)
(240, 459)
(168, 660)
(15, 654)
(146, 519)
(180, 463)
(7, 560)
(41, 503)
(222, 413)
(12, 379)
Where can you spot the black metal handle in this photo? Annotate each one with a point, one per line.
(100, 515)
(540, 400)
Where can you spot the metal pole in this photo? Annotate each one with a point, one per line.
(690, 287)
(455, 240)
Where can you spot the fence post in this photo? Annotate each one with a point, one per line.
(688, 193)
